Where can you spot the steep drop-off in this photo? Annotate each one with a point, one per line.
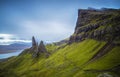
(92, 51)
(100, 24)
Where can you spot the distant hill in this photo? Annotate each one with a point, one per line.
(13, 47)
(93, 50)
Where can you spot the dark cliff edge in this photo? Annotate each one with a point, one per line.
(100, 24)
(93, 50)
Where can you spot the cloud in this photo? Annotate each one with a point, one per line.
(1, 38)
(54, 27)
(7, 39)
(47, 23)
(46, 30)
(6, 36)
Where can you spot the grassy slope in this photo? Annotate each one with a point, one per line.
(65, 62)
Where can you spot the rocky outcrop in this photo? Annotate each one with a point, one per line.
(35, 52)
(33, 42)
(38, 50)
(34, 45)
(100, 24)
(41, 47)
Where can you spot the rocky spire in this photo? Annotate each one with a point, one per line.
(41, 47)
(38, 50)
(33, 42)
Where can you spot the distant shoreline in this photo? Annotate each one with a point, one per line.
(7, 55)
(9, 51)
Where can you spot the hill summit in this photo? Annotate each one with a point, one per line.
(93, 50)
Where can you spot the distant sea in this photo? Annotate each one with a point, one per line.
(7, 55)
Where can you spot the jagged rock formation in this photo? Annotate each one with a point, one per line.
(34, 45)
(102, 25)
(89, 58)
(97, 24)
(37, 50)
(41, 47)
(33, 42)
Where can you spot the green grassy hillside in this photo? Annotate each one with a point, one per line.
(92, 51)
(68, 61)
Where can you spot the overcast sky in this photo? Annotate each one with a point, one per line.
(47, 20)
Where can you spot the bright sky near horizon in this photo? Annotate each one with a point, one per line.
(47, 20)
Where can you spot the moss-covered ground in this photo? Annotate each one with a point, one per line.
(68, 61)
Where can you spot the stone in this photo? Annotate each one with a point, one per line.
(33, 42)
(34, 45)
(96, 24)
(41, 47)
(36, 53)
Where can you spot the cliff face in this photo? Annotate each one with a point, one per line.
(97, 24)
(87, 58)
